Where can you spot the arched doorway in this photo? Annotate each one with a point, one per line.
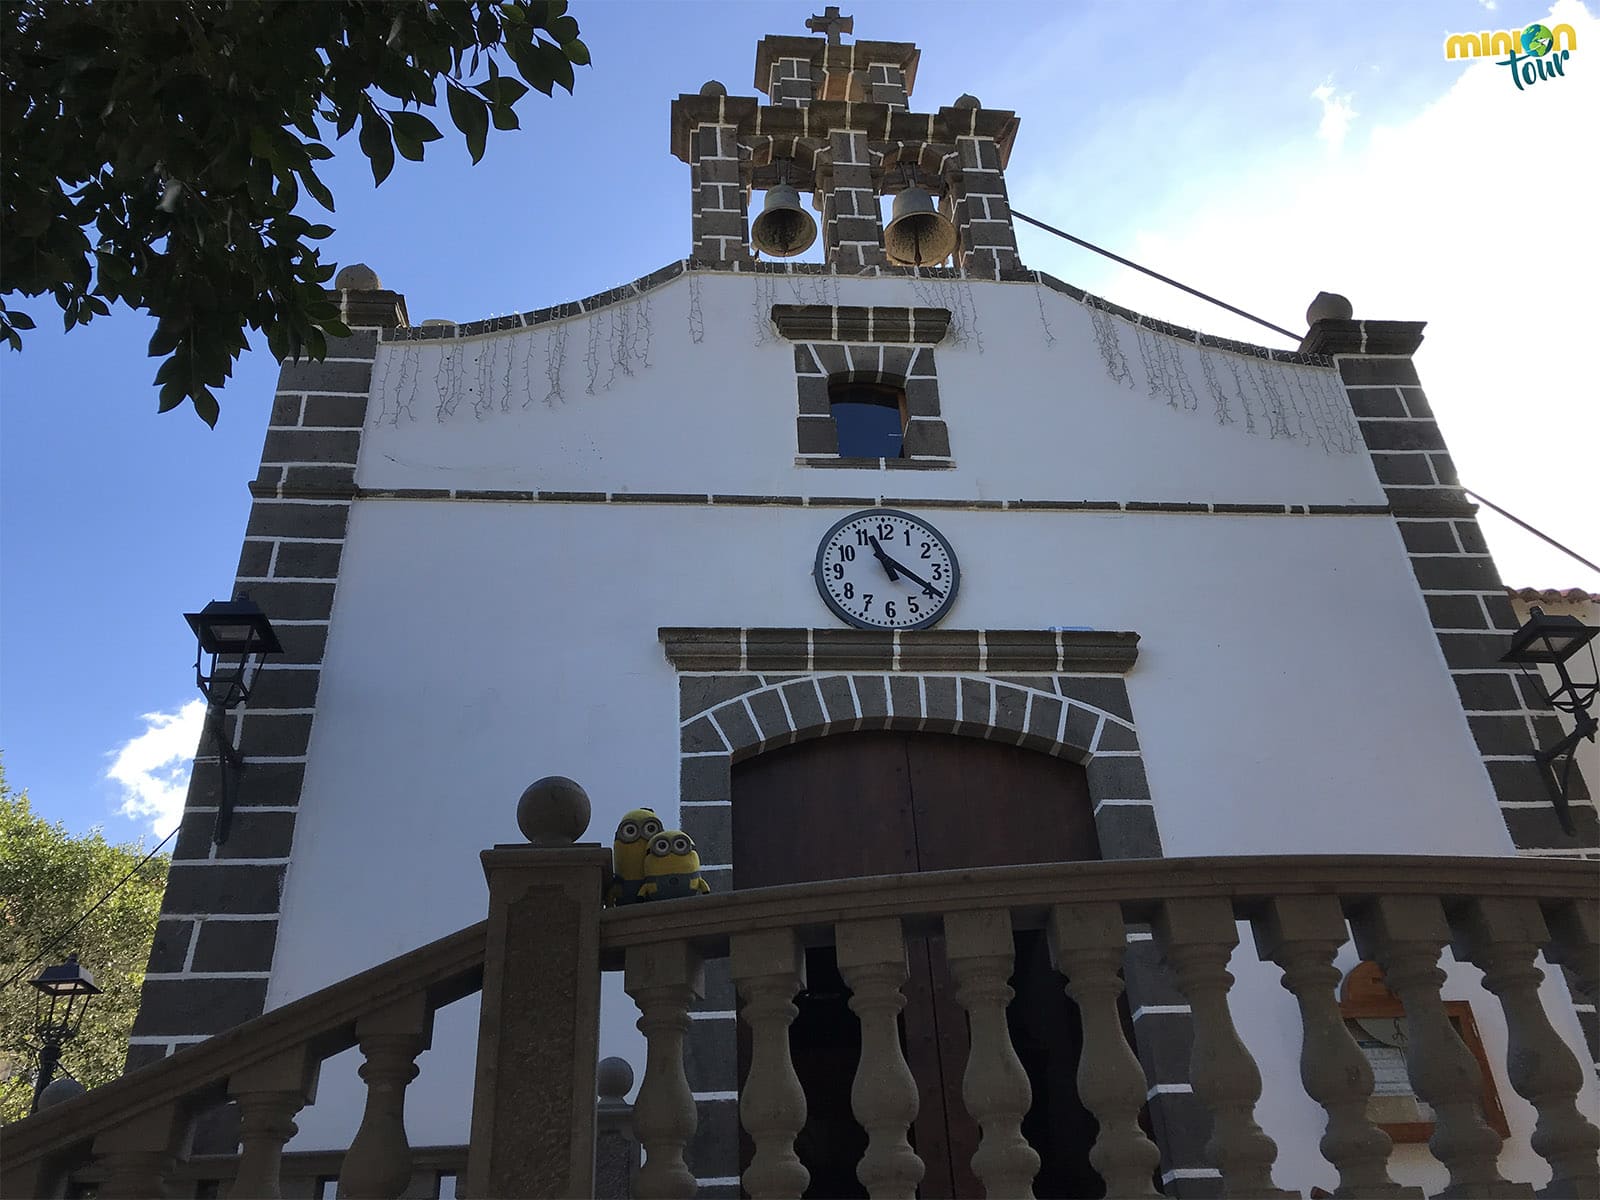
(894, 802)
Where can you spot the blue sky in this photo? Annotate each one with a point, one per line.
(1259, 152)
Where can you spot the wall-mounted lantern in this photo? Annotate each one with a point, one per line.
(1545, 640)
(235, 633)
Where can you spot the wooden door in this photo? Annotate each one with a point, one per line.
(888, 803)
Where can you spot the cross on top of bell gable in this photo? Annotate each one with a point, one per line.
(832, 24)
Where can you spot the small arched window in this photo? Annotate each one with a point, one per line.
(870, 418)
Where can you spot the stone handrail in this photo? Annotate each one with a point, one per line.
(1139, 885)
(1496, 913)
(388, 1007)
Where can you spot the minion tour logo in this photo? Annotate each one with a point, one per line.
(1543, 54)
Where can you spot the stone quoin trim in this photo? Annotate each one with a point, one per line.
(1467, 603)
(215, 939)
(1471, 614)
(742, 692)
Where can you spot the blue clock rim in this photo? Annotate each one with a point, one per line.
(849, 618)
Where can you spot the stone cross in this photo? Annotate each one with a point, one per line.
(832, 24)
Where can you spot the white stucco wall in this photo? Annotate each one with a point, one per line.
(1290, 696)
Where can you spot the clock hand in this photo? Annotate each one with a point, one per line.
(889, 564)
(927, 587)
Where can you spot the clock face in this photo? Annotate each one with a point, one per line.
(885, 569)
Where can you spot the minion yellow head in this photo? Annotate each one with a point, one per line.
(633, 837)
(671, 852)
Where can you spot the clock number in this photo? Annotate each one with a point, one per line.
(938, 570)
(885, 530)
(911, 603)
(907, 532)
(838, 570)
(888, 610)
(867, 596)
(849, 591)
(926, 550)
(847, 553)
(863, 537)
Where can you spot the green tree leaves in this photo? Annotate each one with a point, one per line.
(156, 154)
(48, 879)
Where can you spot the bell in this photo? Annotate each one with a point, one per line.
(783, 229)
(917, 234)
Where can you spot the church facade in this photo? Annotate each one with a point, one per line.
(849, 569)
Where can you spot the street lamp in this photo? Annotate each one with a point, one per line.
(235, 633)
(64, 994)
(1544, 640)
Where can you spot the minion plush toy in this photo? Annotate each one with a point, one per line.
(672, 868)
(628, 854)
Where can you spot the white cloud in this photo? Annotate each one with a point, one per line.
(1491, 5)
(1470, 214)
(1337, 113)
(153, 768)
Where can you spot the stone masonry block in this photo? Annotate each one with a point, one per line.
(1127, 831)
(1117, 778)
(307, 560)
(275, 735)
(308, 376)
(190, 1006)
(840, 703)
(711, 828)
(222, 889)
(1428, 537)
(170, 950)
(804, 707)
(1487, 693)
(235, 946)
(1456, 612)
(770, 717)
(335, 412)
(292, 519)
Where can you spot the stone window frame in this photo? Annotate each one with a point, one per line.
(742, 692)
(836, 344)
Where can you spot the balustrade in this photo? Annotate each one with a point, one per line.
(126, 1138)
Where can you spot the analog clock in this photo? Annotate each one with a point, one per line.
(885, 569)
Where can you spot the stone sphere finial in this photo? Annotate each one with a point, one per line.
(713, 87)
(615, 1077)
(433, 321)
(357, 277)
(1329, 306)
(59, 1091)
(966, 100)
(553, 811)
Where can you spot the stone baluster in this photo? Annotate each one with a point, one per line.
(616, 1149)
(137, 1156)
(1302, 934)
(769, 969)
(1197, 937)
(1575, 945)
(269, 1095)
(664, 980)
(378, 1164)
(872, 960)
(1404, 935)
(1502, 937)
(1088, 942)
(995, 1087)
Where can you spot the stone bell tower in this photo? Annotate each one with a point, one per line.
(837, 122)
